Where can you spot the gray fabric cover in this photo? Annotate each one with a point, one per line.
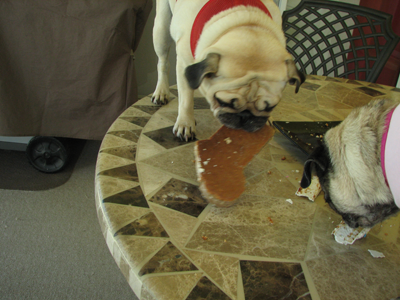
(66, 68)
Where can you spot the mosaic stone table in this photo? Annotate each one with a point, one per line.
(170, 244)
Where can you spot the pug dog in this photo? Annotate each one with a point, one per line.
(233, 51)
(358, 164)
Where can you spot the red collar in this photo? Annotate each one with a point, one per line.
(212, 8)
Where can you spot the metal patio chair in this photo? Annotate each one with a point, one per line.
(339, 40)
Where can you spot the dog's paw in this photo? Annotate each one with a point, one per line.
(160, 96)
(185, 128)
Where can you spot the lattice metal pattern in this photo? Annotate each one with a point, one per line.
(339, 40)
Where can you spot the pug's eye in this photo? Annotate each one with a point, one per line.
(231, 104)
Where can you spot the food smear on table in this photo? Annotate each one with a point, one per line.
(220, 161)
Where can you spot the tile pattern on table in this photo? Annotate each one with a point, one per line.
(180, 196)
(170, 287)
(133, 196)
(257, 226)
(165, 138)
(357, 275)
(151, 178)
(146, 225)
(178, 161)
(171, 252)
(274, 280)
(205, 289)
(322, 243)
(168, 259)
(178, 225)
(221, 269)
(137, 250)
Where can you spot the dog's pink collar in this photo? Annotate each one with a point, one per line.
(390, 148)
(213, 7)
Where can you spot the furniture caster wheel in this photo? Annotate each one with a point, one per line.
(47, 154)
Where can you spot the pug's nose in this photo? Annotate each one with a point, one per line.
(264, 105)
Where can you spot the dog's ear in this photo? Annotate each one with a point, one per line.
(195, 73)
(320, 159)
(294, 75)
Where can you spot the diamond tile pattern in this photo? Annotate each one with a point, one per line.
(171, 244)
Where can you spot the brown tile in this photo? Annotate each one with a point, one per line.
(370, 92)
(128, 152)
(147, 225)
(130, 135)
(273, 280)
(128, 172)
(310, 86)
(168, 259)
(150, 109)
(166, 138)
(140, 121)
(181, 196)
(206, 290)
(133, 196)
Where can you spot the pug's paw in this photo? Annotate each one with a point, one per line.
(160, 95)
(185, 128)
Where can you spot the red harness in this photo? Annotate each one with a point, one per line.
(212, 8)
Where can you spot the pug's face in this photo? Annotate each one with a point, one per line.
(244, 83)
(348, 167)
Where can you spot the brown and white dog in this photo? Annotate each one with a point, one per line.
(358, 164)
(235, 51)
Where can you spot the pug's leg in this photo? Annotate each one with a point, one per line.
(185, 126)
(162, 42)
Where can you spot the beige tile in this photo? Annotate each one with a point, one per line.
(133, 112)
(121, 215)
(322, 243)
(178, 161)
(222, 269)
(258, 226)
(357, 275)
(151, 178)
(156, 122)
(175, 287)
(272, 184)
(147, 148)
(112, 141)
(138, 250)
(178, 225)
(108, 186)
(121, 124)
(106, 161)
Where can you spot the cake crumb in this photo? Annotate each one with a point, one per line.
(228, 140)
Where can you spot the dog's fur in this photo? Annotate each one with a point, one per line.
(241, 64)
(348, 165)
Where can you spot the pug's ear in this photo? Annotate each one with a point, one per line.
(195, 73)
(320, 159)
(294, 75)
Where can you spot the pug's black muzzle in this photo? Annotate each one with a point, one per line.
(244, 120)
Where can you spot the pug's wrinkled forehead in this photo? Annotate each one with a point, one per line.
(257, 97)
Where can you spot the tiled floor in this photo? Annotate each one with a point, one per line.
(170, 244)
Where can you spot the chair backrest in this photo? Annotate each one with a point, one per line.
(338, 39)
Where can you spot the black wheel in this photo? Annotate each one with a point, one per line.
(47, 154)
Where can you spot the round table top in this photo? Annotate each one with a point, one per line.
(171, 244)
